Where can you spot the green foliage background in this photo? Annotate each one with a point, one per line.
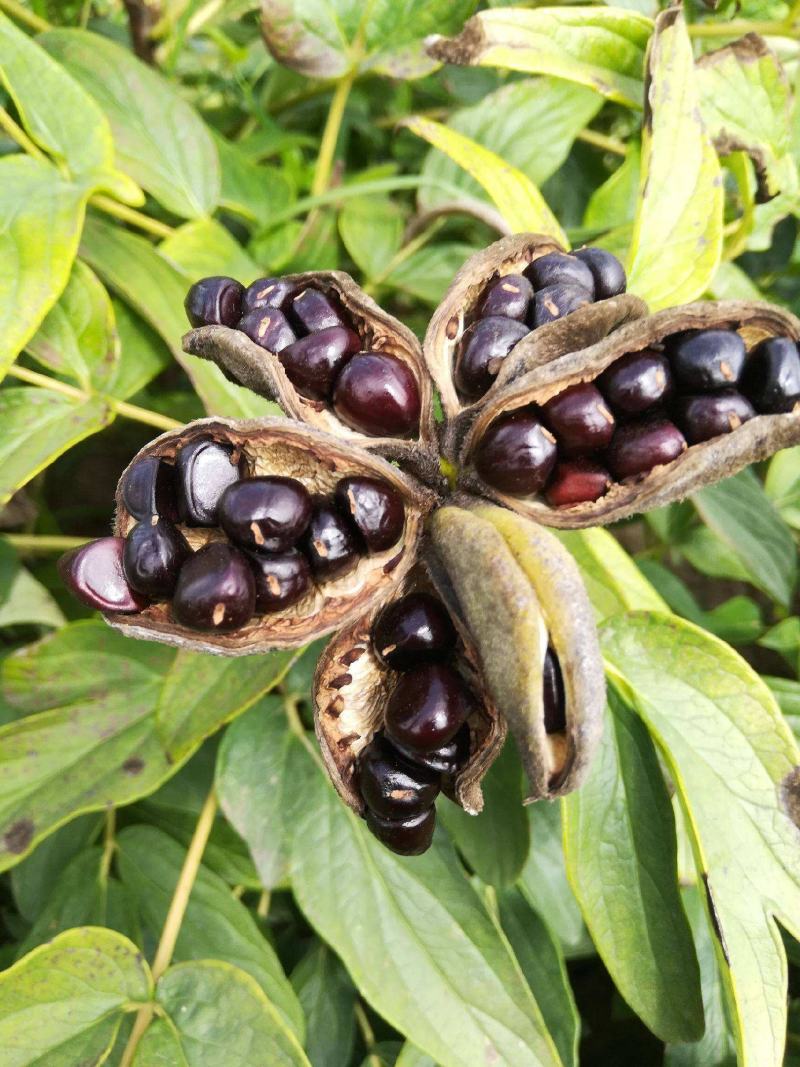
(181, 885)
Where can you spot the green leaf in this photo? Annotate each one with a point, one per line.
(328, 998)
(614, 582)
(89, 737)
(495, 843)
(160, 140)
(142, 353)
(740, 514)
(143, 277)
(613, 203)
(621, 853)
(62, 1004)
(734, 763)
(59, 115)
(24, 600)
(677, 235)
(41, 216)
(255, 191)
(254, 784)
(601, 47)
(372, 231)
(214, 1006)
(410, 1056)
(32, 880)
(782, 485)
(517, 198)
(39, 425)
(542, 963)
(216, 925)
(502, 121)
(203, 247)
(78, 337)
(427, 274)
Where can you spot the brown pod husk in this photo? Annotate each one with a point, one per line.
(255, 368)
(276, 446)
(516, 587)
(700, 465)
(351, 690)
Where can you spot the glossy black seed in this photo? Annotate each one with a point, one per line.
(516, 454)
(281, 579)
(577, 481)
(406, 837)
(607, 271)
(266, 514)
(94, 574)
(448, 758)
(148, 489)
(428, 706)
(268, 293)
(639, 446)
(378, 395)
(329, 542)
(313, 311)
(559, 268)
(153, 555)
(509, 297)
(484, 346)
(704, 360)
(414, 630)
(580, 419)
(637, 382)
(269, 328)
(214, 301)
(216, 590)
(712, 414)
(313, 363)
(204, 470)
(555, 714)
(375, 509)
(555, 302)
(391, 785)
(771, 376)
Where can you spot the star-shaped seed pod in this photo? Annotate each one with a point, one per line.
(420, 544)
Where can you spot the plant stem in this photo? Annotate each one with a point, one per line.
(739, 27)
(43, 542)
(330, 135)
(109, 843)
(175, 915)
(16, 133)
(131, 215)
(367, 1033)
(120, 407)
(600, 140)
(21, 14)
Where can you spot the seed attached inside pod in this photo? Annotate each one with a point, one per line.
(509, 297)
(204, 470)
(313, 363)
(712, 414)
(282, 578)
(637, 382)
(607, 271)
(393, 786)
(267, 514)
(580, 419)
(95, 575)
(269, 328)
(516, 454)
(148, 489)
(153, 555)
(704, 360)
(214, 301)
(268, 293)
(375, 509)
(560, 268)
(407, 837)
(484, 346)
(577, 481)
(555, 302)
(772, 376)
(639, 446)
(216, 590)
(414, 630)
(329, 543)
(427, 708)
(313, 311)
(378, 395)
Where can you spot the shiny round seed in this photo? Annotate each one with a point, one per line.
(771, 377)
(94, 574)
(282, 578)
(636, 382)
(406, 837)
(215, 301)
(391, 785)
(509, 297)
(427, 707)
(484, 346)
(148, 488)
(313, 363)
(517, 454)
(580, 419)
(269, 328)
(712, 414)
(154, 553)
(329, 542)
(378, 395)
(375, 509)
(637, 447)
(577, 481)
(705, 360)
(607, 271)
(560, 268)
(555, 302)
(267, 514)
(204, 470)
(216, 590)
(414, 630)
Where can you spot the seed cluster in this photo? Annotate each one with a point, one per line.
(554, 285)
(643, 411)
(279, 540)
(318, 346)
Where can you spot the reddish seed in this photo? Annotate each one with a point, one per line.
(577, 481)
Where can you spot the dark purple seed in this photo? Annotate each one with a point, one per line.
(561, 269)
(204, 470)
(265, 514)
(555, 302)
(281, 579)
(391, 785)
(414, 630)
(269, 328)
(329, 543)
(637, 447)
(555, 712)
(313, 363)
(214, 302)
(448, 759)
(216, 590)
(378, 395)
(577, 481)
(484, 346)
(375, 509)
(607, 271)
(268, 293)
(148, 488)
(772, 376)
(406, 837)
(705, 360)
(580, 419)
(508, 297)
(636, 382)
(712, 414)
(516, 454)
(313, 311)
(428, 706)
(154, 552)
(94, 574)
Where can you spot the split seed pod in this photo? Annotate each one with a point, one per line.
(700, 465)
(276, 446)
